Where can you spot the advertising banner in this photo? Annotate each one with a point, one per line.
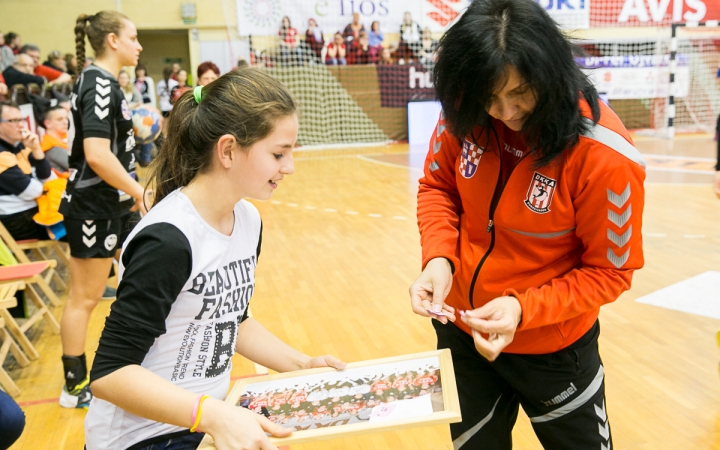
(608, 13)
(263, 17)
(638, 76)
(401, 84)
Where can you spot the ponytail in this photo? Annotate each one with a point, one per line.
(244, 103)
(96, 28)
(80, 33)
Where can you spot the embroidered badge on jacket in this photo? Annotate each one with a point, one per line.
(470, 159)
(540, 193)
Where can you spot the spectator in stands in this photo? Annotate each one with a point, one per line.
(12, 45)
(175, 70)
(52, 75)
(360, 50)
(88, 60)
(23, 170)
(207, 72)
(385, 57)
(182, 77)
(145, 85)
(132, 95)
(56, 61)
(54, 142)
(353, 29)
(21, 72)
(409, 39)
(290, 51)
(71, 63)
(375, 37)
(336, 51)
(3, 87)
(164, 90)
(314, 39)
(716, 186)
(12, 421)
(427, 48)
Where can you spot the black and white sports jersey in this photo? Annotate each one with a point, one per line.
(99, 110)
(184, 291)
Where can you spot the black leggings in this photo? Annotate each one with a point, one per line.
(563, 393)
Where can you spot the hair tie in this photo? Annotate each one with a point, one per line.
(197, 93)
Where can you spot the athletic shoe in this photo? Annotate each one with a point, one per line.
(79, 397)
(109, 293)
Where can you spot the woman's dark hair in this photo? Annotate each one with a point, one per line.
(244, 103)
(96, 28)
(167, 73)
(204, 67)
(472, 63)
(9, 37)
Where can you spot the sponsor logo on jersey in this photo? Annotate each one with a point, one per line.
(130, 142)
(540, 193)
(470, 159)
(125, 110)
(111, 241)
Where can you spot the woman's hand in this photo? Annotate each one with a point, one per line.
(494, 325)
(428, 292)
(236, 428)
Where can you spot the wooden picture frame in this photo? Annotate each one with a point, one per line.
(425, 380)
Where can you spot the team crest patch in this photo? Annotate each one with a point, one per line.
(540, 193)
(470, 159)
(125, 110)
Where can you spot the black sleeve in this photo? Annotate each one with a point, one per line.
(158, 263)
(42, 167)
(13, 76)
(257, 252)
(257, 258)
(13, 181)
(98, 107)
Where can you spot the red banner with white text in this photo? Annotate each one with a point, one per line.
(618, 13)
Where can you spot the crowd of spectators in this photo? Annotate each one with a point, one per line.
(354, 45)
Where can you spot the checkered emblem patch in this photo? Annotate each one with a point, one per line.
(470, 159)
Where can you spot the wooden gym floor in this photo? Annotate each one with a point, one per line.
(341, 247)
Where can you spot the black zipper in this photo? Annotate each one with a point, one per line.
(497, 193)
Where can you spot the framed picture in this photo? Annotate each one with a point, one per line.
(367, 397)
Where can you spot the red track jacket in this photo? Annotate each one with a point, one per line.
(563, 239)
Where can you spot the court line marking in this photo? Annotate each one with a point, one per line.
(383, 163)
(689, 171)
(679, 158)
(319, 147)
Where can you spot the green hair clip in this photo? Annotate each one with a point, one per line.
(197, 93)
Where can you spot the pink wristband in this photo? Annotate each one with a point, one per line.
(195, 409)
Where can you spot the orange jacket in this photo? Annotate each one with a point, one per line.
(564, 239)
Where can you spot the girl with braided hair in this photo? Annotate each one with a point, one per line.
(102, 198)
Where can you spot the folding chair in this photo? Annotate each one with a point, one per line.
(7, 344)
(37, 246)
(13, 278)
